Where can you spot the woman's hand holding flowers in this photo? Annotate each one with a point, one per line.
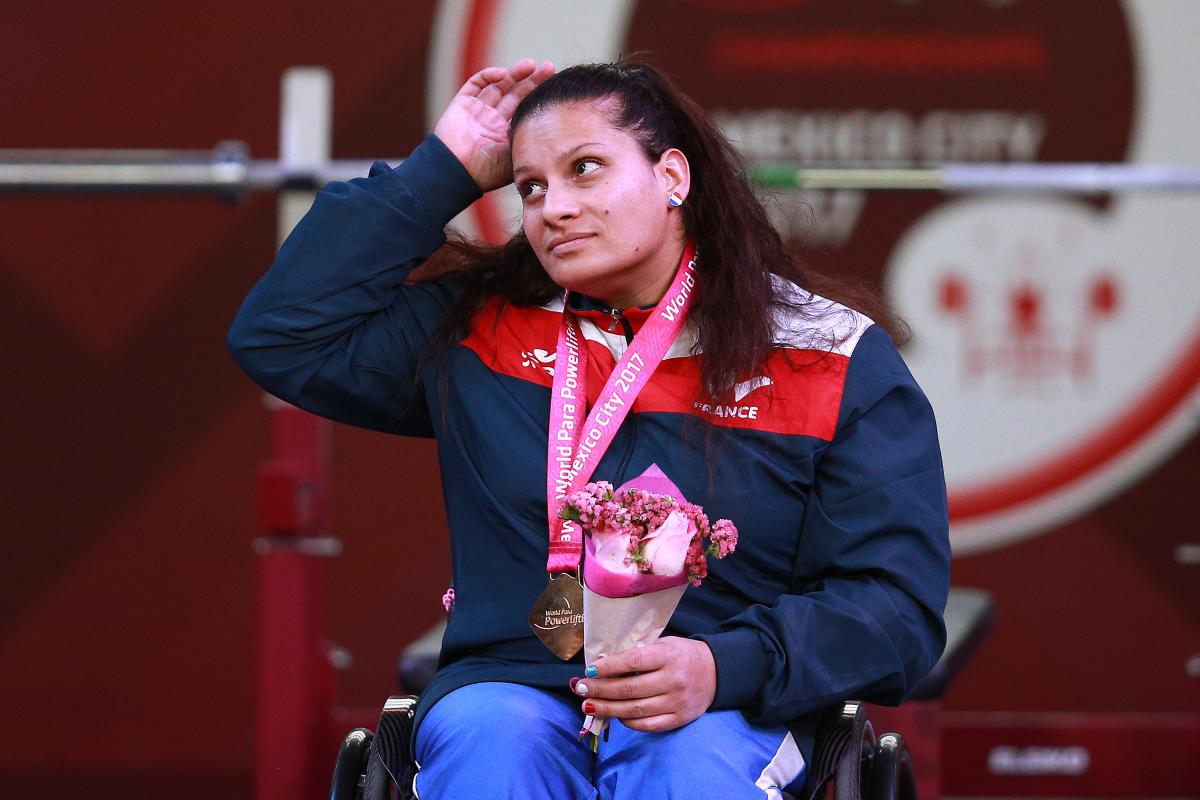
(655, 688)
(475, 124)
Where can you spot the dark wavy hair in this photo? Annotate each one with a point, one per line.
(739, 250)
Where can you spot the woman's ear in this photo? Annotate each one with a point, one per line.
(674, 172)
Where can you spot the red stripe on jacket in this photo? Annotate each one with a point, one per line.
(803, 395)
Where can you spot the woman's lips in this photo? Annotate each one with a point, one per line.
(569, 244)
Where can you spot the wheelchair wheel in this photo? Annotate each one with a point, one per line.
(891, 771)
(350, 765)
(377, 785)
(848, 780)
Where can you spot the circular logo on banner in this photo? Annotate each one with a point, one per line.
(1057, 337)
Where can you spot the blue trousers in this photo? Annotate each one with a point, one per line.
(504, 740)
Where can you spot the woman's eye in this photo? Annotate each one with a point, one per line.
(586, 166)
(530, 190)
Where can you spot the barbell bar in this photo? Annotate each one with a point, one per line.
(228, 171)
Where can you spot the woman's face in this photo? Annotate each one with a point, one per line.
(595, 208)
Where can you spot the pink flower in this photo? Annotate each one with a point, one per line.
(612, 551)
(696, 563)
(645, 533)
(448, 599)
(724, 536)
(665, 548)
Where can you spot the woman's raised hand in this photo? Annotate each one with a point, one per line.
(475, 124)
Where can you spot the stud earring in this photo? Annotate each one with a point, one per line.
(674, 199)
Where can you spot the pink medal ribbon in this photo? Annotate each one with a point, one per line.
(574, 450)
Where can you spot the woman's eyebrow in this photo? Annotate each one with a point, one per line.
(567, 154)
(518, 171)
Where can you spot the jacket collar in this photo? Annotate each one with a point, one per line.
(602, 314)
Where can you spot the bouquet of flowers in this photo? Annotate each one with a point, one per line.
(644, 544)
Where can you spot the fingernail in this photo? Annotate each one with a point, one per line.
(589, 707)
(581, 689)
(591, 671)
(574, 681)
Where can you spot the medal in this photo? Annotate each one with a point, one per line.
(557, 616)
(574, 449)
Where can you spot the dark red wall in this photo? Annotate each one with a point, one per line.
(131, 439)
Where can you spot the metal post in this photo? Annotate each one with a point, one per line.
(295, 678)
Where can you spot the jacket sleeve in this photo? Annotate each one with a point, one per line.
(873, 568)
(332, 327)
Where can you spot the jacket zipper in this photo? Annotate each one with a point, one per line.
(626, 328)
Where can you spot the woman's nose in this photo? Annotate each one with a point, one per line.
(560, 203)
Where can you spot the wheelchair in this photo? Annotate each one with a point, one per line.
(848, 759)
(848, 762)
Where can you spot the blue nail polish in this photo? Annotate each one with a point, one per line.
(591, 671)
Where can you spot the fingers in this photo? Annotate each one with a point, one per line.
(525, 82)
(636, 659)
(658, 724)
(504, 89)
(482, 80)
(624, 688)
(522, 69)
(498, 90)
(641, 708)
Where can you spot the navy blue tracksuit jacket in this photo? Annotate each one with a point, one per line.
(827, 461)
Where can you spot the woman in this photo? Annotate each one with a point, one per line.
(787, 413)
